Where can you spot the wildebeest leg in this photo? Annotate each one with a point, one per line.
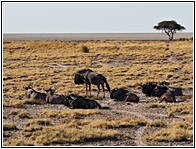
(103, 89)
(90, 89)
(126, 98)
(86, 88)
(161, 99)
(98, 86)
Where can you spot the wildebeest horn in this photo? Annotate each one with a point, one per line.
(30, 86)
(25, 87)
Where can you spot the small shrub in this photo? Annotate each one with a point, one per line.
(85, 49)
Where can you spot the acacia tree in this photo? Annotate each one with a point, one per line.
(170, 27)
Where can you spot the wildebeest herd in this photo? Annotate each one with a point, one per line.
(88, 77)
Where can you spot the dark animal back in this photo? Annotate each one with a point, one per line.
(118, 94)
(159, 91)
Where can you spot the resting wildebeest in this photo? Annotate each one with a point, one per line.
(159, 91)
(168, 97)
(89, 77)
(176, 91)
(54, 98)
(148, 88)
(79, 102)
(122, 94)
(31, 93)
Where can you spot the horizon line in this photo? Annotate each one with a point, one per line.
(93, 33)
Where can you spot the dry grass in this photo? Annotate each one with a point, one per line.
(53, 63)
(182, 108)
(178, 130)
(19, 113)
(43, 132)
(47, 64)
(70, 113)
(155, 105)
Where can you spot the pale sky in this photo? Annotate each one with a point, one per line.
(93, 17)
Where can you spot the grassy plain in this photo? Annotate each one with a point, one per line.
(45, 64)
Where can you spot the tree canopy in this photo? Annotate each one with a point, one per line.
(170, 27)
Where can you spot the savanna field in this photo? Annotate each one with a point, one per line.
(45, 64)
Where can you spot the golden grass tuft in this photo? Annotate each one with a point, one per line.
(19, 113)
(68, 113)
(13, 103)
(156, 123)
(155, 105)
(9, 126)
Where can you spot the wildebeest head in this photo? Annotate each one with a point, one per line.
(78, 79)
(148, 88)
(165, 83)
(29, 90)
(27, 87)
(112, 93)
(118, 93)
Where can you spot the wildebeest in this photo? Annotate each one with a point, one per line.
(159, 91)
(121, 94)
(168, 97)
(176, 91)
(88, 77)
(148, 88)
(54, 98)
(79, 102)
(31, 93)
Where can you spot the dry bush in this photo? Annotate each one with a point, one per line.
(85, 49)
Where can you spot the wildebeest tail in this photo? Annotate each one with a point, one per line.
(107, 85)
(106, 108)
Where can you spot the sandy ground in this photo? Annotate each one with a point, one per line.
(95, 36)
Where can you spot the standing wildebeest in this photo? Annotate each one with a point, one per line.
(168, 97)
(31, 93)
(79, 102)
(89, 77)
(54, 98)
(122, 94)
(148, 88)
